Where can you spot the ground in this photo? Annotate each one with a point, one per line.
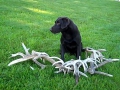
(29, 21)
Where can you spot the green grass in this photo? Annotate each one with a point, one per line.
(29, 21)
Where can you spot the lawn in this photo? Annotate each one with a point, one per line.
(29, 21)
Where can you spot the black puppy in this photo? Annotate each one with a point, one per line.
(70, 39)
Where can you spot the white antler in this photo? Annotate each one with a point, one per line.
(95, 60)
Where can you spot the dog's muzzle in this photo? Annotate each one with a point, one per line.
(53, 31)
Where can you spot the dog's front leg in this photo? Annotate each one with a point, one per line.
(62, 51)
(78, 51)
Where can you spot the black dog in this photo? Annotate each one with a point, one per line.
(70, 39)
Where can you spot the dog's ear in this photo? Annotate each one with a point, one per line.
(65, 22)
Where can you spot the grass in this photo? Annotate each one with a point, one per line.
(29, 21)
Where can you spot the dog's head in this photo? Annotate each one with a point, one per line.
(60, 24)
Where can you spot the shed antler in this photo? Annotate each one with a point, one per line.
(33, 56)
(99, 59)
(95, 60)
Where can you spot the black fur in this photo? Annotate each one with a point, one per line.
(70, 39)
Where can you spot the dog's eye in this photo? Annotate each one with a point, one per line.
(57, 23)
